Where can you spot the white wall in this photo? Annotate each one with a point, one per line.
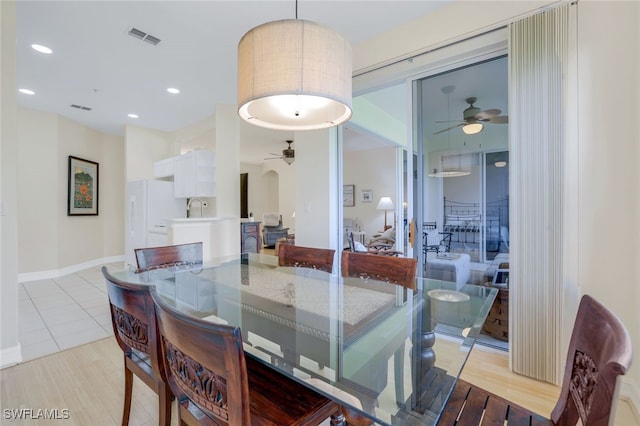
(316, 189)
(38, 220)
(143, 147)
(373, 169)
(49, 240)
(609, 201)
(9, 345)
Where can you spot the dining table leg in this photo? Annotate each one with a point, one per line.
(337, 419)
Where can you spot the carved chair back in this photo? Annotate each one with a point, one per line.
(215, 384)
(599, 351)
(395, 270)
(306, 257)
(135, 329)
(167, 256)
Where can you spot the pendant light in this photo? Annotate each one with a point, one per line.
(294, 75)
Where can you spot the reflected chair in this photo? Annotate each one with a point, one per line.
(168, 256)
(306, 257)
(135, 329)
(433, 240)
(599, 351)
(381, 247)
(394, 270)
(216, 384)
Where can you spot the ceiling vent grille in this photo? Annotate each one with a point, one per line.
(141, 35)
(82, 107)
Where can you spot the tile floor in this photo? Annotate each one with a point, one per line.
(60, 313)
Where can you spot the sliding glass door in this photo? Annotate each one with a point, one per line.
(462, 146)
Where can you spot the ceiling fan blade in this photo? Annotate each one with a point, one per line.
(447, 129)
(277, 155)
(274, 158)
(449, 121)
(487, 114)
(500, 119)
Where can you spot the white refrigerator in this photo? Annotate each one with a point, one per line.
(149, 204)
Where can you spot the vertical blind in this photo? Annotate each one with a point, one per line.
(539, 49)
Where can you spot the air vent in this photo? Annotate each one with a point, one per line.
(82, 107)
(141, 35)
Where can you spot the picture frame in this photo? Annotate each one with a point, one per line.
(366, 196)
(82, 188)
(348, 196)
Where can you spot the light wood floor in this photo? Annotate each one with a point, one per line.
(88, 381)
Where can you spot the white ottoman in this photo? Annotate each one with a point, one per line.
(455, 267)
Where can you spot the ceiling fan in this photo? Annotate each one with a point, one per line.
(473, 119)
(288, 154)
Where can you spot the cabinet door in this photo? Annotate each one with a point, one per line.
(184, 178)
(250, 237)
(195, 175)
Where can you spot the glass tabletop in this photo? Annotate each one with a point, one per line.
(388, 352)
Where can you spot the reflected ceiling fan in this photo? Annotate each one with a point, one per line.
(288, 154)
(473, 119)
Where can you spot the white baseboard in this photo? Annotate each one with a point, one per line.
(10, 356)
(630, 391)
(56, 273)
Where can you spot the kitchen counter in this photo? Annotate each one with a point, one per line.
(217, 234)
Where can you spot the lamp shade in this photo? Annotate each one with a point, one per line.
(294, 74)
(385, 203)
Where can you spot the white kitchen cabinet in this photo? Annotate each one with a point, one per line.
(195, 174)
(164, 168)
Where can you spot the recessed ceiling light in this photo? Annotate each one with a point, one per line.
(27, 91)
(173, 90)
(132, 115)
(42, 49)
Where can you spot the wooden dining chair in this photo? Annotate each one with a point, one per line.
(135, 329)
(167, 256)
(216, 384)
(599, 351)
(306, 257)
(395, 270)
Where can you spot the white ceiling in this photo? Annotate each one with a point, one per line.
(95, 63)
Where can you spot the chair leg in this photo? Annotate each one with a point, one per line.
(128, 387)
(164, 404)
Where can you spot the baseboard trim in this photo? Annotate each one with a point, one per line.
(57, 273)
(10, 356)
(631, 393)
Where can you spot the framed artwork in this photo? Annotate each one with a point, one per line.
(82, 190)
(366, 196)
(348, 196)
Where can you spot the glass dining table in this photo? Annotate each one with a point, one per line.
(383, 351)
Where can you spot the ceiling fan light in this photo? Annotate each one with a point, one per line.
(472, 128)
(288, 160)
(294, 74)
(500, 163)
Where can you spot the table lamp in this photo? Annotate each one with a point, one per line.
(385, 204)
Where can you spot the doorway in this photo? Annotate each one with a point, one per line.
(465, 170)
